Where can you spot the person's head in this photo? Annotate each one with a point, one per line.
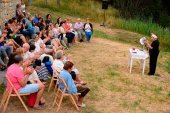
(11, 59)
(68, 20)
(35, 36)
(7, 26)
(59, 20)
(18, 6)
(30, 18)
(14, 19)
(48, 16)
(11, 21)
(46, 59)
(59, 55)
(88, 20)
(153, 37)
(47, 33)
(28, 15)
(20, 51)
(68, 66)
(62, 24)
(18, 59)
(56, 25)
(26, 47)
(36, 15)
(37, 64)
(32, 48)
(78, 20)
(22, 2)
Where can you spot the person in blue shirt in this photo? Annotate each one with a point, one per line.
(36, 20)
(72, 87)
(48, 64)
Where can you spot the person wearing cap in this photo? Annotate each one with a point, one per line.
(153, 53)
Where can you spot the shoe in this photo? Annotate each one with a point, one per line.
(82, 105)
(150, 74)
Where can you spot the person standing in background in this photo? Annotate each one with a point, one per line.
(23, 6)
(153, 53)
(88, 27)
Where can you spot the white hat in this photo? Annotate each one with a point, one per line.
(154, 36)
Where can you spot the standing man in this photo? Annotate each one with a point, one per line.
(153, 53)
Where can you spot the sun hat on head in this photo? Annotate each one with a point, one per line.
(154, 36)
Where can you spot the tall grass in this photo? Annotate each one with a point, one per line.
(92, 9)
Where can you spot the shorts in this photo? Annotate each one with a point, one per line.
(29, 88)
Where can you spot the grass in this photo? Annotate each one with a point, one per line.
(119, 36)
(167, 65)
(75, 8)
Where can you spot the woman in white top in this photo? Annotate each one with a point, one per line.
(88, 27)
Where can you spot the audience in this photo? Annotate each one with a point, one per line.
(28, 45)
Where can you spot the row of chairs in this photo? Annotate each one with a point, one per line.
(58, 94)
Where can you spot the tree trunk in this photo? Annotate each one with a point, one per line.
(58, 2)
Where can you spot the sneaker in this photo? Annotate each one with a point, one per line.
(82, 105)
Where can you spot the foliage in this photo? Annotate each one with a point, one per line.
(144, 9)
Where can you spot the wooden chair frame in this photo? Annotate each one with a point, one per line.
(53, 78)
(60, 94)
(12, 92)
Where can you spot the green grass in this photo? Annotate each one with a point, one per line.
(119, 36)
(167, 65)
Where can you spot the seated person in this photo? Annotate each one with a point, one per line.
(12, 33)
(41, 70)
(58, 65)
(5, 52)
(79, 26)
(72, 87)
(19, 79)
(48, 64)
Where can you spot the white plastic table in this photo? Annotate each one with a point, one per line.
(137, 54)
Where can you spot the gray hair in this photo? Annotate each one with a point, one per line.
(59, 54)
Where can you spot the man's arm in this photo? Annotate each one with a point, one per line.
(27, 73)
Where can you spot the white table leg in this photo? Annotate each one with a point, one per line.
(131, 61)
(143, 70)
